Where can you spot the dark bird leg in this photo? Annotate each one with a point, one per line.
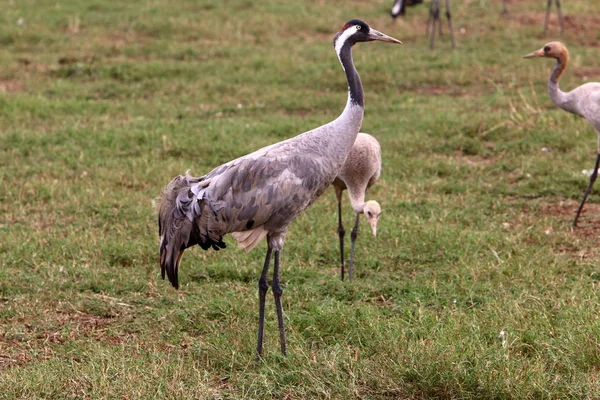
(434, 12)
(263, 286)
(353, 236)
(341, 233)
(548, 7)
(429, 18)
(588, 190)
(450, 28)
(504, 7)
(277, 292)
(560, 17)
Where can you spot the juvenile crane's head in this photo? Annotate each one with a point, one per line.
(358, 31)
(372, 211)
(551, 50)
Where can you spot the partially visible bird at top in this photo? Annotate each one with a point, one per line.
(583, 101)
(360, 171)
(399, 8)
(259, 194)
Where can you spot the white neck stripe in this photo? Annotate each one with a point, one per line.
(342, 39)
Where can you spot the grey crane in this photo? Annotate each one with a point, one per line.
(583, 101)
(360, 171)
(259, 194)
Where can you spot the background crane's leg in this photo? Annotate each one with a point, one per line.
(450, 28)
(353, 236)
(341, 233)
(560, 17)
(548, 7)
(504, 7)
(588, 190)
(263, 286)
(277, 292)
(435, 19)
(429, 18)
(440, 33)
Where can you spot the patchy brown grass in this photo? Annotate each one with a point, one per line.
(589, 220)
(35, 340)
(11, 85)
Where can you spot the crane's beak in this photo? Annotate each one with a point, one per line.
(376, 35)
(537, 53)
(373, 222)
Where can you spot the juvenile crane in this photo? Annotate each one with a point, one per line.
(360, 171)
(583, 101)
(258, 195)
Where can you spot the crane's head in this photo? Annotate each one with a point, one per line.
(552, 50)
(358, 31)
(372, 211)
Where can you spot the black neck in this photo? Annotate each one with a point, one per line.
(355, 87)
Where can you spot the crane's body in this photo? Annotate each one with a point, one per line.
(583, 101)
(360, 171)
(258, 195)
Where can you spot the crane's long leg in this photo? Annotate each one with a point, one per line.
(277, 292)
(548, 7)
(341, 233)
(435, 10)
(588, 190)
(450, 28)
(429, 18)
(504, 7)
(353, 236)
(560, 17)
(263, 286)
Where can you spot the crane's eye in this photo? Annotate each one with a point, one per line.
(547, 49)
(369, 214)
(358, 27)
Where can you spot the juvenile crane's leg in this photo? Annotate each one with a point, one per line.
(353, 236)
(560, 17)
(341, 233)
(450, 28)
(277, 292)
(593, 177)
(263, 286)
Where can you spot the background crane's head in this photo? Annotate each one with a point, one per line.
(551, 50)
(358, 31)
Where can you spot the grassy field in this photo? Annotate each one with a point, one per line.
(103, 103)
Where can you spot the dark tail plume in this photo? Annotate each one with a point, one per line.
(178, 213)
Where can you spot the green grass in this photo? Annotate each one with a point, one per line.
(102, 104)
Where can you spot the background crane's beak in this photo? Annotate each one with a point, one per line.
(376, 35)
(537, 53)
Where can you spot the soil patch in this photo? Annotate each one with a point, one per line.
(10, 85)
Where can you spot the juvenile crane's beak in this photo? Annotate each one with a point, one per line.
(537, 53)
(373, 222)
(376, 35)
